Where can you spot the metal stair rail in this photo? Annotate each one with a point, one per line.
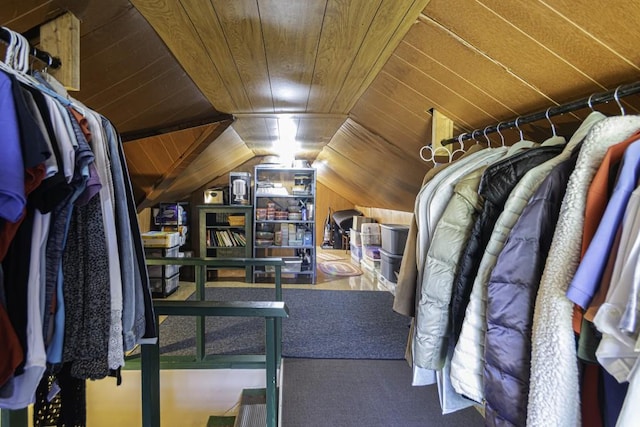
(150, 362)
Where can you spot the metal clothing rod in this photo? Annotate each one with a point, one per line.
(51, 61)
(596, 98)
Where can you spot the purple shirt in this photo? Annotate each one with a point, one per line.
(12, 196)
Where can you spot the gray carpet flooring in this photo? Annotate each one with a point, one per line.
(362, 393)
(321, 324)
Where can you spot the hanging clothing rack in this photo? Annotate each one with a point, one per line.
(50, 60)
(596, 98)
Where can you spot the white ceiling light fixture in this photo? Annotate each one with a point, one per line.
(286, 145)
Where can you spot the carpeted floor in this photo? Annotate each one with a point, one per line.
(362, 393)
(322, 324)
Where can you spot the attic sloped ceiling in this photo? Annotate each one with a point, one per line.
(359, 76)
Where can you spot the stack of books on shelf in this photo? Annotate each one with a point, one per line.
(226, 238)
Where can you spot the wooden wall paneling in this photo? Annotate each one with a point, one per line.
(503, 43)
(476, 96)
(318, 130)
(92, 17)
(449, 50)
(566, 40)
(613, 23)
(291, 32)
(387, 124)
(442, 97)
(175, 28)
(22, 15)
(240, 24)
(183, 158)
(410, 97)
(208, 26)
(387, 216)
(390, 22)
(335, 172)
(343, 33)
(327, 198)
(225, 153)
(387, 171)
(104, 59)
(155, 98)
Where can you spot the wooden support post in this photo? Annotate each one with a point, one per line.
(441, 128)
(61, 38)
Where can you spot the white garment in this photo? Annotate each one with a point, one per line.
(616, 352)
(25, 385)
(554, 388)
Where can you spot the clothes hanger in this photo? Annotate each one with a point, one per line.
(459, 150)
(500, 133)
(484, 132)
(521, 144)
(617, 99)
(553, 127)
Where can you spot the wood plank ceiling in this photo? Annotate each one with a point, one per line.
(203, 87)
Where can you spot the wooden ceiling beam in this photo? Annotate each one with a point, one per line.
(146, 133)
(181, 164)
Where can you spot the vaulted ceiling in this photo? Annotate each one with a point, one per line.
(199, 88)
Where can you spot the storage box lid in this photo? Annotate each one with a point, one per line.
(395, 227)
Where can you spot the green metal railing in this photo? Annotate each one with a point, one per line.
(150, 362)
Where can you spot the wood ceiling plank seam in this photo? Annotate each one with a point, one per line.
(115, 38)
(121, 95)
(468, 63)
(356, 57)
(419, 113)
(392, 42)
(428, 102)
(597, 43)
(111, 86)
(462, 41)
(161, 101)
(315, 61)
(291, 27)
(107, 22)
(343, 36)
(391, 118)
(505, 44)
(245, 71)
(543, 46)
(587, 33)
(240, 97)
(360, 185)
(458, 75)
(266, 58)
(38, 13)
(487, 105)
(210, 84)
(396, 136)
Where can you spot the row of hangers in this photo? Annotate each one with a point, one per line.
(450, 154)
(17, 63)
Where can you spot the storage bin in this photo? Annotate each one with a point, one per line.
(372, 252)
(356, 252)
(390, 265)
(358, 220)
(160, 271)
(370, 234)
(371, 265)
(355, 237)
(164, 287)
(160, 239)
(394, 237)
